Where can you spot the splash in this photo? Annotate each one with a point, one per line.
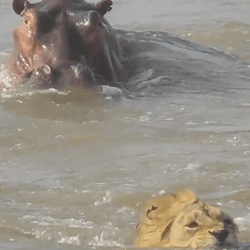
(5, 78)
(105, 238)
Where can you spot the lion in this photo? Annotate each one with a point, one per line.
(183, 220)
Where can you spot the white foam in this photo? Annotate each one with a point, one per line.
(74, 240)
(6, 79)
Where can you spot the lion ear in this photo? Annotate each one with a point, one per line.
(151, 212)
(159, 208)
(166, 231)
(187, 196)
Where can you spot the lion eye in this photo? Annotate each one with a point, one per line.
(25, 21)
(192, 225)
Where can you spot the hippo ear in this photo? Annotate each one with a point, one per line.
(19, 5)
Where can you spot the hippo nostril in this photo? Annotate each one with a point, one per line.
(94, 17)
(46, 69)
(220, 235)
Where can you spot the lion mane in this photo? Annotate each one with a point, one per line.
(183, 220)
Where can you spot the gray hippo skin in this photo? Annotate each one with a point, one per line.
(64, 42)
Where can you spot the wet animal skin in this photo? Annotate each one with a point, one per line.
(64, 42)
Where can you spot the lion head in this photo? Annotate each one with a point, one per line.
(182, 220)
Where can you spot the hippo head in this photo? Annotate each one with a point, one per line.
(59, 38)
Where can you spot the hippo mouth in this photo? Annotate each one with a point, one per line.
(23, 63)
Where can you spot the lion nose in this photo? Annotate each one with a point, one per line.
(220, 235)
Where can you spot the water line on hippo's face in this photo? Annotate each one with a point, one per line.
(63, 77)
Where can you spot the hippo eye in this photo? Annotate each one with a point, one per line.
(227, 221)
(192, 225)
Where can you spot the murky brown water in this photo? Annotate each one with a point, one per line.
(75, 168)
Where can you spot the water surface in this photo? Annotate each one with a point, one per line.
(75, 168)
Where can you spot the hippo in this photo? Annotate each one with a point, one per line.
(64, 43)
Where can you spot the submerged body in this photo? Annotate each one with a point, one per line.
(64, 42)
